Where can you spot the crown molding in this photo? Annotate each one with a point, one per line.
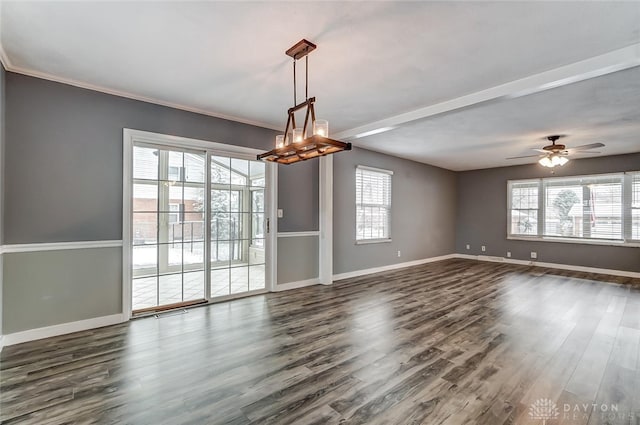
(610, 62)
(127, 95)
(4, 58)
(4, 61)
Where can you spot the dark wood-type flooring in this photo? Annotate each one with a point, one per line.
(452, 342)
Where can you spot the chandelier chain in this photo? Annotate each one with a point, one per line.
(303, 143)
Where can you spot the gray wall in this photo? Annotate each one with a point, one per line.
(64, 165)
(51, 287)
(422, 212)
(482, 216)
(63, 159)
(65, 145)
(298, 196)
(297, 258)
(2, 138)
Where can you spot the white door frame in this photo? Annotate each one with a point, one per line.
(271, 200)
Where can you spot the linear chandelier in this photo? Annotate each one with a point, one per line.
(297, 144)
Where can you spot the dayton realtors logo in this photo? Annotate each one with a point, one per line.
(544, 409)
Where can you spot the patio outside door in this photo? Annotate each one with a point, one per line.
(198, 227)
(237, 239)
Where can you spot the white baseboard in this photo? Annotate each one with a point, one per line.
(363, 272)
(612, 272)
(295, 285)
(98, 322)
(61, 329)
(493, 259)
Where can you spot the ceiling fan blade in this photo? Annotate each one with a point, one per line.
(541, 150)
(586, 147)
(525, 156)
(581, 152)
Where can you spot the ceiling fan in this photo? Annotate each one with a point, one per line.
(557, 154)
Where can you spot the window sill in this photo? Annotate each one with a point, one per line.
(575, 241)
(370, 241)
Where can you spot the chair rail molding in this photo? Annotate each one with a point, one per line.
(60, 246)
(298, 234)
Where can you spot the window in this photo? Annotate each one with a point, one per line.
(257, 220)
(175, 213)
(524, 208)
(175, 172)
(592, 208)
(373, 204)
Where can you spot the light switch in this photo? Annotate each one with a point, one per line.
(280, 213)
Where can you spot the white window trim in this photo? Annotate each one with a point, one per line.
(605, 242)
(539, 224)
(377, 240)
(372, 241)
(625, 242)
(377, 170)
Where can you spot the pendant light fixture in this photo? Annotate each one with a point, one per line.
(297, 143)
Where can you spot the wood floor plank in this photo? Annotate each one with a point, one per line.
(451, 342)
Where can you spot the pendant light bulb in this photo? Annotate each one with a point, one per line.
(321, 128)
(545, 162)
(297, 135)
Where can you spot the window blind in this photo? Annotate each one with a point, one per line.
(633, 216)
(373, 203)
(596, 207)
(524, 208)
(584, 207)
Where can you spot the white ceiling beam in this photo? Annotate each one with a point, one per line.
(596, 66)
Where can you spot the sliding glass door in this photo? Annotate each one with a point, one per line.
(237, 226)
(198, 226)
(168, 227)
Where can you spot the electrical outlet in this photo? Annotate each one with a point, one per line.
(508, 254)
(398, 253)
(280, 213)
(534, 255)
(468, 246)
(484, 248)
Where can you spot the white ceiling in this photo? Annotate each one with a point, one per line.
(374, 60)
(604, 109)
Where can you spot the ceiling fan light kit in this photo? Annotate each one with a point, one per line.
(555, 155)
(297, 144)
(553, 160)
